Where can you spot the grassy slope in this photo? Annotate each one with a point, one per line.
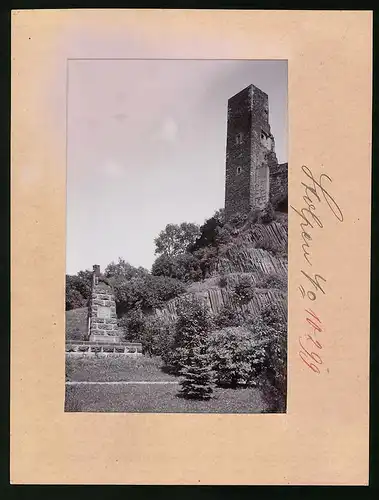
(144, 398)
(76, 324)
(113, 369)
(158, 398)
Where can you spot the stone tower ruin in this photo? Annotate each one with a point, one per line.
(250, 150)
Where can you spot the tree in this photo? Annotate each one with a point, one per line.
(193, 323)
(122, 270)
(78, 289)
(190, 349)
(146, 293)
(192, 326)
(208, 234)
(198, 376)
(176, 238)
(184, 267)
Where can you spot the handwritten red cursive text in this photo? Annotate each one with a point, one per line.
(309, 345)
(316, 192)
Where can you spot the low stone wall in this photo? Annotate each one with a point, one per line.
(85, 348)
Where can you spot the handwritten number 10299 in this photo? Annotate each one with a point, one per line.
(309, 344)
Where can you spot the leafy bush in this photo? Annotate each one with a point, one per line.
(243, 290)
(155, 333)
(133, 324)
(224, 235)
(271, 329)
(184, 267)
(268, 214)
(236, 356)
(223, 281)
(164, 289)
(207, 258)
(272, 316)
(228, 316)
(238, 220)
(158, 337)
(273, 280)
(253, 354)
(210, 232)
(146, 293)
(74, 299)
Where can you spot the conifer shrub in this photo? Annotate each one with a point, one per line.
(192, 327)
(198, 376)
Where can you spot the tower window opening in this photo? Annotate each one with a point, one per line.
(239, 170)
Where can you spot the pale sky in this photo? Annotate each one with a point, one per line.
(146, 147)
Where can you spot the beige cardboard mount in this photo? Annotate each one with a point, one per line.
(323, 438)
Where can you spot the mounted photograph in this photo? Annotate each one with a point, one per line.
(177, 236)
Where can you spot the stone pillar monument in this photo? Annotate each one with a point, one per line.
(102, 318)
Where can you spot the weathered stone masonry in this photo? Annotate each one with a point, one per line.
(251, 163)
(102, 318)
(279, 186)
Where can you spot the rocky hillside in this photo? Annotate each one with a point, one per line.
(257, 255)
(250, 255)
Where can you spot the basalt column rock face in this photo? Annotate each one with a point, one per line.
(102, 318)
